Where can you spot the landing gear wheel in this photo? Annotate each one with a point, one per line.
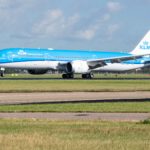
(2, 70)
(68, 76)
(2, 74)
(87, 76)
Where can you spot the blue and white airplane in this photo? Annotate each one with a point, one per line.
(39, 61)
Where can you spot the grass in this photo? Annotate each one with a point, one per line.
(52, 83)
(73, 85)
(16, 134)
(82, 107)
(146, 121)
(74, 135)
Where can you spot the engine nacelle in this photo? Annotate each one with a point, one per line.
(37, 71)
(77, 67)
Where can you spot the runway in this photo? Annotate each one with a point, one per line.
(51, 78)
(75, 97)
(72, 97)
(79, 116)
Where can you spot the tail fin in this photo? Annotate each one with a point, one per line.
(144, 46)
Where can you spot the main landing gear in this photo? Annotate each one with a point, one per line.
(71, 76)
(68, 76)
(87, 76)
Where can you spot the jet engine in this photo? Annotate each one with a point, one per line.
(77, 67)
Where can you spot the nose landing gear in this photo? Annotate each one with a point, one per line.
(2, 72)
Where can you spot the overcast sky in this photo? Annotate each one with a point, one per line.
(110, 25)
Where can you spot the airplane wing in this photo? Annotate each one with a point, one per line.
(96, 63)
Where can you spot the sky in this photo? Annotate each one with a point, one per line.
(108, 25)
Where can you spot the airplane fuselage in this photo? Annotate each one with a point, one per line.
(27, 58)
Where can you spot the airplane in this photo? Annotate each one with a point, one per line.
(40, 61)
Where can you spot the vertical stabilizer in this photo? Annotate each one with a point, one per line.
(144, 46)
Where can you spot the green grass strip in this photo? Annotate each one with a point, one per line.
(73, 85)
(82, 107)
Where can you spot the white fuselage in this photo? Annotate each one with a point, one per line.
(54, 65)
